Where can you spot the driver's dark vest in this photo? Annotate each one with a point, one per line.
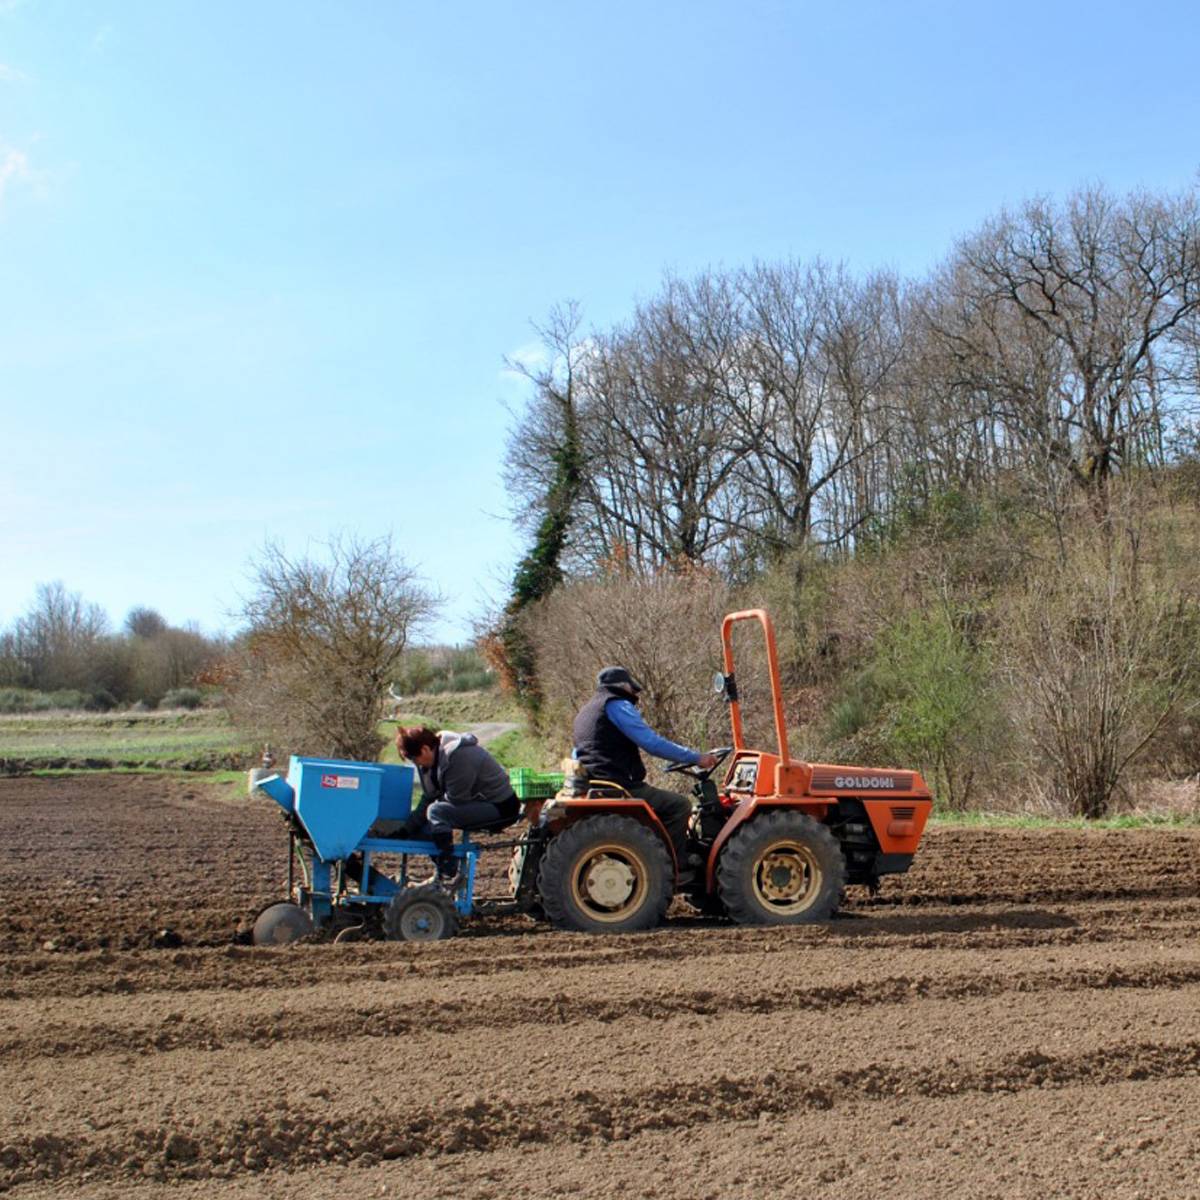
(604, 751)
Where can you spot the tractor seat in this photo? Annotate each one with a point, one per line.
(605, 789)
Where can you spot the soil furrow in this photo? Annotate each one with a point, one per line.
(292, 1137)
(389, 1021)
(1015, 1017)
(239, 968)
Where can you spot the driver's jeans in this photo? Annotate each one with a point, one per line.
(673, 811)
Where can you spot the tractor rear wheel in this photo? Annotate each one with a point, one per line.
(605, 874)
(420, 914)
(781, 868)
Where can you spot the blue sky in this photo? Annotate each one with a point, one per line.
(260, 262)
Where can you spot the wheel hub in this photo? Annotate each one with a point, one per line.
(422, 922)
(609, 882)
(782, 876)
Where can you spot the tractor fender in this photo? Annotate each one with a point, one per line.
(639, 810)
(898, 826)
(746, 809)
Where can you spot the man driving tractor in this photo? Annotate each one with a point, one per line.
(609, 731)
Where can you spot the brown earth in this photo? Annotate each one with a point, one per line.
(1017, 1017)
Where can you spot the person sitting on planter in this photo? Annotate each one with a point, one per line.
(463, 787)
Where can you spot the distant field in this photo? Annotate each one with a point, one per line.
(452, 710)
(204, 739)
(200, 741)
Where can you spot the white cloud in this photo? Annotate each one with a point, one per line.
(532, 356)
(16, 172)
(11, 74)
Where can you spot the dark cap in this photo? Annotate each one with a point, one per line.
(615, 676)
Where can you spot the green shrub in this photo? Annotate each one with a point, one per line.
(434, 670)
(28, 700)
(851, 714)
(183, 697)
(923, 701)
(65, 697)
(935, 687)
(474, 679)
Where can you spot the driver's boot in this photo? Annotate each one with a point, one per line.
(689, 867)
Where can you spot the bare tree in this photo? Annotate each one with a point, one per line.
(323, 640)
(172, 658)
(548, 421)
(656, 430)
(58, 638)
(863, 342)
(737, 415)
(783, 414)
(12, 670)
(1100, 652)
(1068, 320)
(665, 627)
(145, 622)
(553, 452)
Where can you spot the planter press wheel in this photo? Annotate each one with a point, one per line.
(421, 914)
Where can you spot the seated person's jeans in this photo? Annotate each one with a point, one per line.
(444, 817)
(437, 821)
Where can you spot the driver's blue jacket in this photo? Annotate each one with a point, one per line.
(625, 716)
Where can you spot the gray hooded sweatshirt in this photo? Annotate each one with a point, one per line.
(463, 770)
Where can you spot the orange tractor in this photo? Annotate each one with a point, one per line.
(775, 843)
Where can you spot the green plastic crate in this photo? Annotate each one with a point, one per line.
(535, 785)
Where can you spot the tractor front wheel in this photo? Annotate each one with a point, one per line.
(605, 874)
(781, 868)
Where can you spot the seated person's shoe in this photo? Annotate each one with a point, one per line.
(448, 875)
(447, 883)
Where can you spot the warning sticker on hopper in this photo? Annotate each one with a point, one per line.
(339, 781)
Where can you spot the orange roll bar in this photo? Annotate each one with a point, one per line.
(735, 709)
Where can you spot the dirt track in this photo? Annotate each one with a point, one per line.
(1020, 1016)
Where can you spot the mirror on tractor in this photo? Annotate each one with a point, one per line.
(725, 687)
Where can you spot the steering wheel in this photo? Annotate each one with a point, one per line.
(722, 752)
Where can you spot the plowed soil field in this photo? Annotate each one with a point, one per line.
(1017, 1017)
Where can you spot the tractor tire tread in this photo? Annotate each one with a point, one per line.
(564, 849)
(737, 861)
